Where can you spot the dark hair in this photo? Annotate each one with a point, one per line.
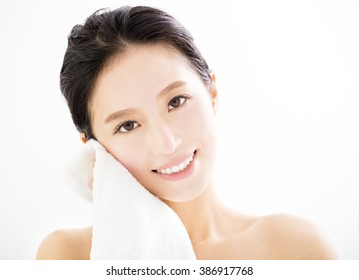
(107, 33)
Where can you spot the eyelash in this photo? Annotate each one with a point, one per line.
(121, 125)
(186, 97)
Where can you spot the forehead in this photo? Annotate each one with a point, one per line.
(139, 72)
(142, 63)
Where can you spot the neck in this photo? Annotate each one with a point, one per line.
(201, 216)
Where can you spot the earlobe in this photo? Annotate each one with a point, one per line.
(83, 137)
(215, 105)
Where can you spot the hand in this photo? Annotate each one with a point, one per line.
(90, 172)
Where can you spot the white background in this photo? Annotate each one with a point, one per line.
(288, 79)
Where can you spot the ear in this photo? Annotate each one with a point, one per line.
(83, 137)
(213, 93)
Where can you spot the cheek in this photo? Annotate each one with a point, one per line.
(130, 158)
(201, 124)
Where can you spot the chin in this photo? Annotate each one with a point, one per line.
(186, 193)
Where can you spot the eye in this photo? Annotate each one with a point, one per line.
(176, 102)
(126, 127)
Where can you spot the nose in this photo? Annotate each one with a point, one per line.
(163, 140)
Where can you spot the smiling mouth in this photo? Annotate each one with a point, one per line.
(176, 168)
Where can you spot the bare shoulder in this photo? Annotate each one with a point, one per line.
(283, 236)
(69, 244)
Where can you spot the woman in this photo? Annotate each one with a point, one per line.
(135, 82)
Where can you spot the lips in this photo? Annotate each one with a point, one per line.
(174, 168)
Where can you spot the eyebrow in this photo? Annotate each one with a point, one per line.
(163, 92)
(170, 87)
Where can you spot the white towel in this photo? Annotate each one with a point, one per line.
(129, 223)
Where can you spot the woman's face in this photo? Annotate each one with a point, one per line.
(155, 116)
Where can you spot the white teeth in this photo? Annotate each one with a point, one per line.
(182, 166)
(178, 168)
(175, 169)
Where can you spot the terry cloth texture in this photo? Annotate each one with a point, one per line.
(129, 223)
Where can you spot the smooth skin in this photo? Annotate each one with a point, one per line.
(150, 109)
